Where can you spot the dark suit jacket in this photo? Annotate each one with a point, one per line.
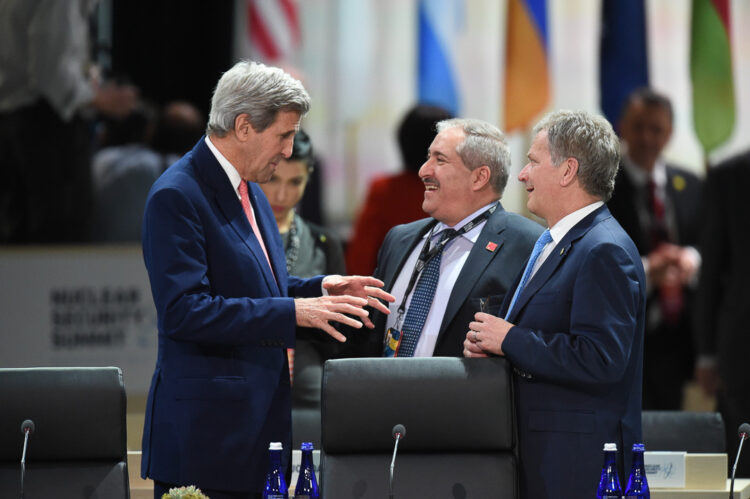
(684, 192)
(485, 274)
(578, 349)
(724, 294)
(220, 391)
(669, 357)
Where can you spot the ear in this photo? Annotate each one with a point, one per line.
(480, 177)
(242, 126)
(569, 172)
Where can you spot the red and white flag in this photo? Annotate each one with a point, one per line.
(273, 28)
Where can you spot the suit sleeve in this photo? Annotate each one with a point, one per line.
(175, 252)
(595, 348)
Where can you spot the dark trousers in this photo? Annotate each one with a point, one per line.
(667, 366)
(45, 177)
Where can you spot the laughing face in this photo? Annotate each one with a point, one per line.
(447, 181)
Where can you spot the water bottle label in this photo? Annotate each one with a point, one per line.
(276, 496)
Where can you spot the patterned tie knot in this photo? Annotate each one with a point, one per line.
(447, 234)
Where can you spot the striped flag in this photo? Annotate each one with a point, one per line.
(274, 29)
(527, 85)
(711, 72)
(439, 25)
(623, 58)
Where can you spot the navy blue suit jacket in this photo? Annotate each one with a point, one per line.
(220, 392)
(577, 349)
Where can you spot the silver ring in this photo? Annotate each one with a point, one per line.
(475, 336)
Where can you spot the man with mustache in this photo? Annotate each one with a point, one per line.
(226, 307)
(470, 248)
(573, 324)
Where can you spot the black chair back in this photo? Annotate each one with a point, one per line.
(79, 445)
(459, 422)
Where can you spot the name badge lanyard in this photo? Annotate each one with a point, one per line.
(426, 255)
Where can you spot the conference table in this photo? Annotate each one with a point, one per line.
(741, 491)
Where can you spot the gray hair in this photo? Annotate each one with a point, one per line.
(484, 144)
(257, 90)
(591, 141)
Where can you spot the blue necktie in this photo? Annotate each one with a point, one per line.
(421, 301)
(538, 247)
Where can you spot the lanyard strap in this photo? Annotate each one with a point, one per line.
(426, 254)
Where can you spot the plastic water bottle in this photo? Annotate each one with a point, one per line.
(275, 482)
(609, 484)
(637, 484)
(307, 485)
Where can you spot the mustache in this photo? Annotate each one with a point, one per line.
(430, 181)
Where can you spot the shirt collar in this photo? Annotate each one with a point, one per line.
(229, 169)
(570, 220)
(640, 177)
(471, 235)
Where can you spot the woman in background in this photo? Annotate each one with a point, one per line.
(310, 250)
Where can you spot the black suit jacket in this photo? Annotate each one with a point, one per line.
(683, 190)
(721, 326)
(485, 274)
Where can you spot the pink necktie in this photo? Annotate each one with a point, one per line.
(248, 209)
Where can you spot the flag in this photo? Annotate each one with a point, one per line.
(623, 57)
(526, 72)
(439, 26)
(711, 72)
(274, 29)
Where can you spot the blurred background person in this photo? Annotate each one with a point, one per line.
(659, 207)
(721, 329)
(178, 128)
(310, 250)
(135, 150)
(394, 199)
(46, 94)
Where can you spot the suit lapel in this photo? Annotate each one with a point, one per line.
(478, 260)
(212, 173)
(404, 245)
(270, 233)
(555, 259)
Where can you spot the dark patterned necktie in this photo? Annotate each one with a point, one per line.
(421, 301)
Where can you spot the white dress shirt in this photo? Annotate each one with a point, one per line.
(455, 254)
(561, 228)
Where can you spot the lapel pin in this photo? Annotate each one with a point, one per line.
(491, 246)
(562, 251)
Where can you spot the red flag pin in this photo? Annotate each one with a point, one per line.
(491, 246)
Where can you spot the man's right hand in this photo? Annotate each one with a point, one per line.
(318, 312)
